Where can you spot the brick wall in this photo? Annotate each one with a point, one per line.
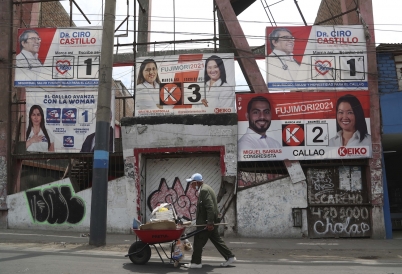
(331, 8)
(123, 107)
(328, 9)
(54, 15)
(387, 78)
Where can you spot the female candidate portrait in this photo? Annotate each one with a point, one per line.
(351, 125)
(219, 94)
(148, 75)
(147, 90)
(37, 137)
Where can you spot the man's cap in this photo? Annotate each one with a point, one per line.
(195, 177)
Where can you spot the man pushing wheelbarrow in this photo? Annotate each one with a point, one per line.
(207, 214)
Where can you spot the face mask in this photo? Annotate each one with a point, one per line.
(197, 187)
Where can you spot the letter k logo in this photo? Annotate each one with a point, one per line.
(291, 134)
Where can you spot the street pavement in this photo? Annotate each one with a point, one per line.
(264, 249)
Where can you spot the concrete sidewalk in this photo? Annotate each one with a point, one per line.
(247, 248)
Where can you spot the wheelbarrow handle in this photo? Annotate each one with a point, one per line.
(205, 225)
(191, 234)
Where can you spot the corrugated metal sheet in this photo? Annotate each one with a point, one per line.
(166, 181)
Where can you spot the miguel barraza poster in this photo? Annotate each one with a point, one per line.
(303, 125)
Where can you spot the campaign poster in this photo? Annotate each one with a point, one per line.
(316, 58)
(58, 57)
(60, 121)
(303, 126)
(185, 84)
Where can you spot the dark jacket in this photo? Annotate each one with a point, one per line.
(207, 206)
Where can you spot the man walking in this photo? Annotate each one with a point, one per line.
(207, 214)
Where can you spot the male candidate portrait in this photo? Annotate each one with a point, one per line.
(28, 65)
(282, 67)
(259, 120)
(89, 143)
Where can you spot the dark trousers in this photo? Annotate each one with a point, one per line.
(201, 239)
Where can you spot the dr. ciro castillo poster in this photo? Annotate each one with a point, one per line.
(316, 58)
(185, 84)
(303, 126)
(58, 57)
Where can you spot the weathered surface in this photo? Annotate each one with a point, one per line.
(266, 210)
(56, 206)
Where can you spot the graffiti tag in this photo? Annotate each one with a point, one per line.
(338, 228)
(55, 205)
(183, 201)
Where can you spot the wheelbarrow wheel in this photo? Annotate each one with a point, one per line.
(143, 252)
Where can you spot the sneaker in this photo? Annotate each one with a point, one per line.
(229, 261)
(193, 265)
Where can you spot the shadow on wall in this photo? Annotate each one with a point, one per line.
(32, 181)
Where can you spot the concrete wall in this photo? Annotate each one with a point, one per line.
(56, 206)
(266, 210)
(187, 134)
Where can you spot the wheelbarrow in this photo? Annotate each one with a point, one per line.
(140, 251)
(155, 234)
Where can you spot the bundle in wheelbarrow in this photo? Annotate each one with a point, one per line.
(157, 232)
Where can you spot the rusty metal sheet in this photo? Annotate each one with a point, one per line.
(338, 202)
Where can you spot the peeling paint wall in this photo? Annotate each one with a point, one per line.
(266, 210)
(186, 134)
(69, 210)
(3, 192)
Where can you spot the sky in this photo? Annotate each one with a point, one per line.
(194, 20)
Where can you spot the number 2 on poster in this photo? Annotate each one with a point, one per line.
(317, 134)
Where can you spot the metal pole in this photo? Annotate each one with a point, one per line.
(103, 117)
(301, 14)
(134, 82)
(71, 13)
(214, 12)
(6, 64)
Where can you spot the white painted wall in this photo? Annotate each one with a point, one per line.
(263, 210)
(266, 210)
(19, 215)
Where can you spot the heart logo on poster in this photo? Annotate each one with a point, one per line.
(62, 66)
(323, 67)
